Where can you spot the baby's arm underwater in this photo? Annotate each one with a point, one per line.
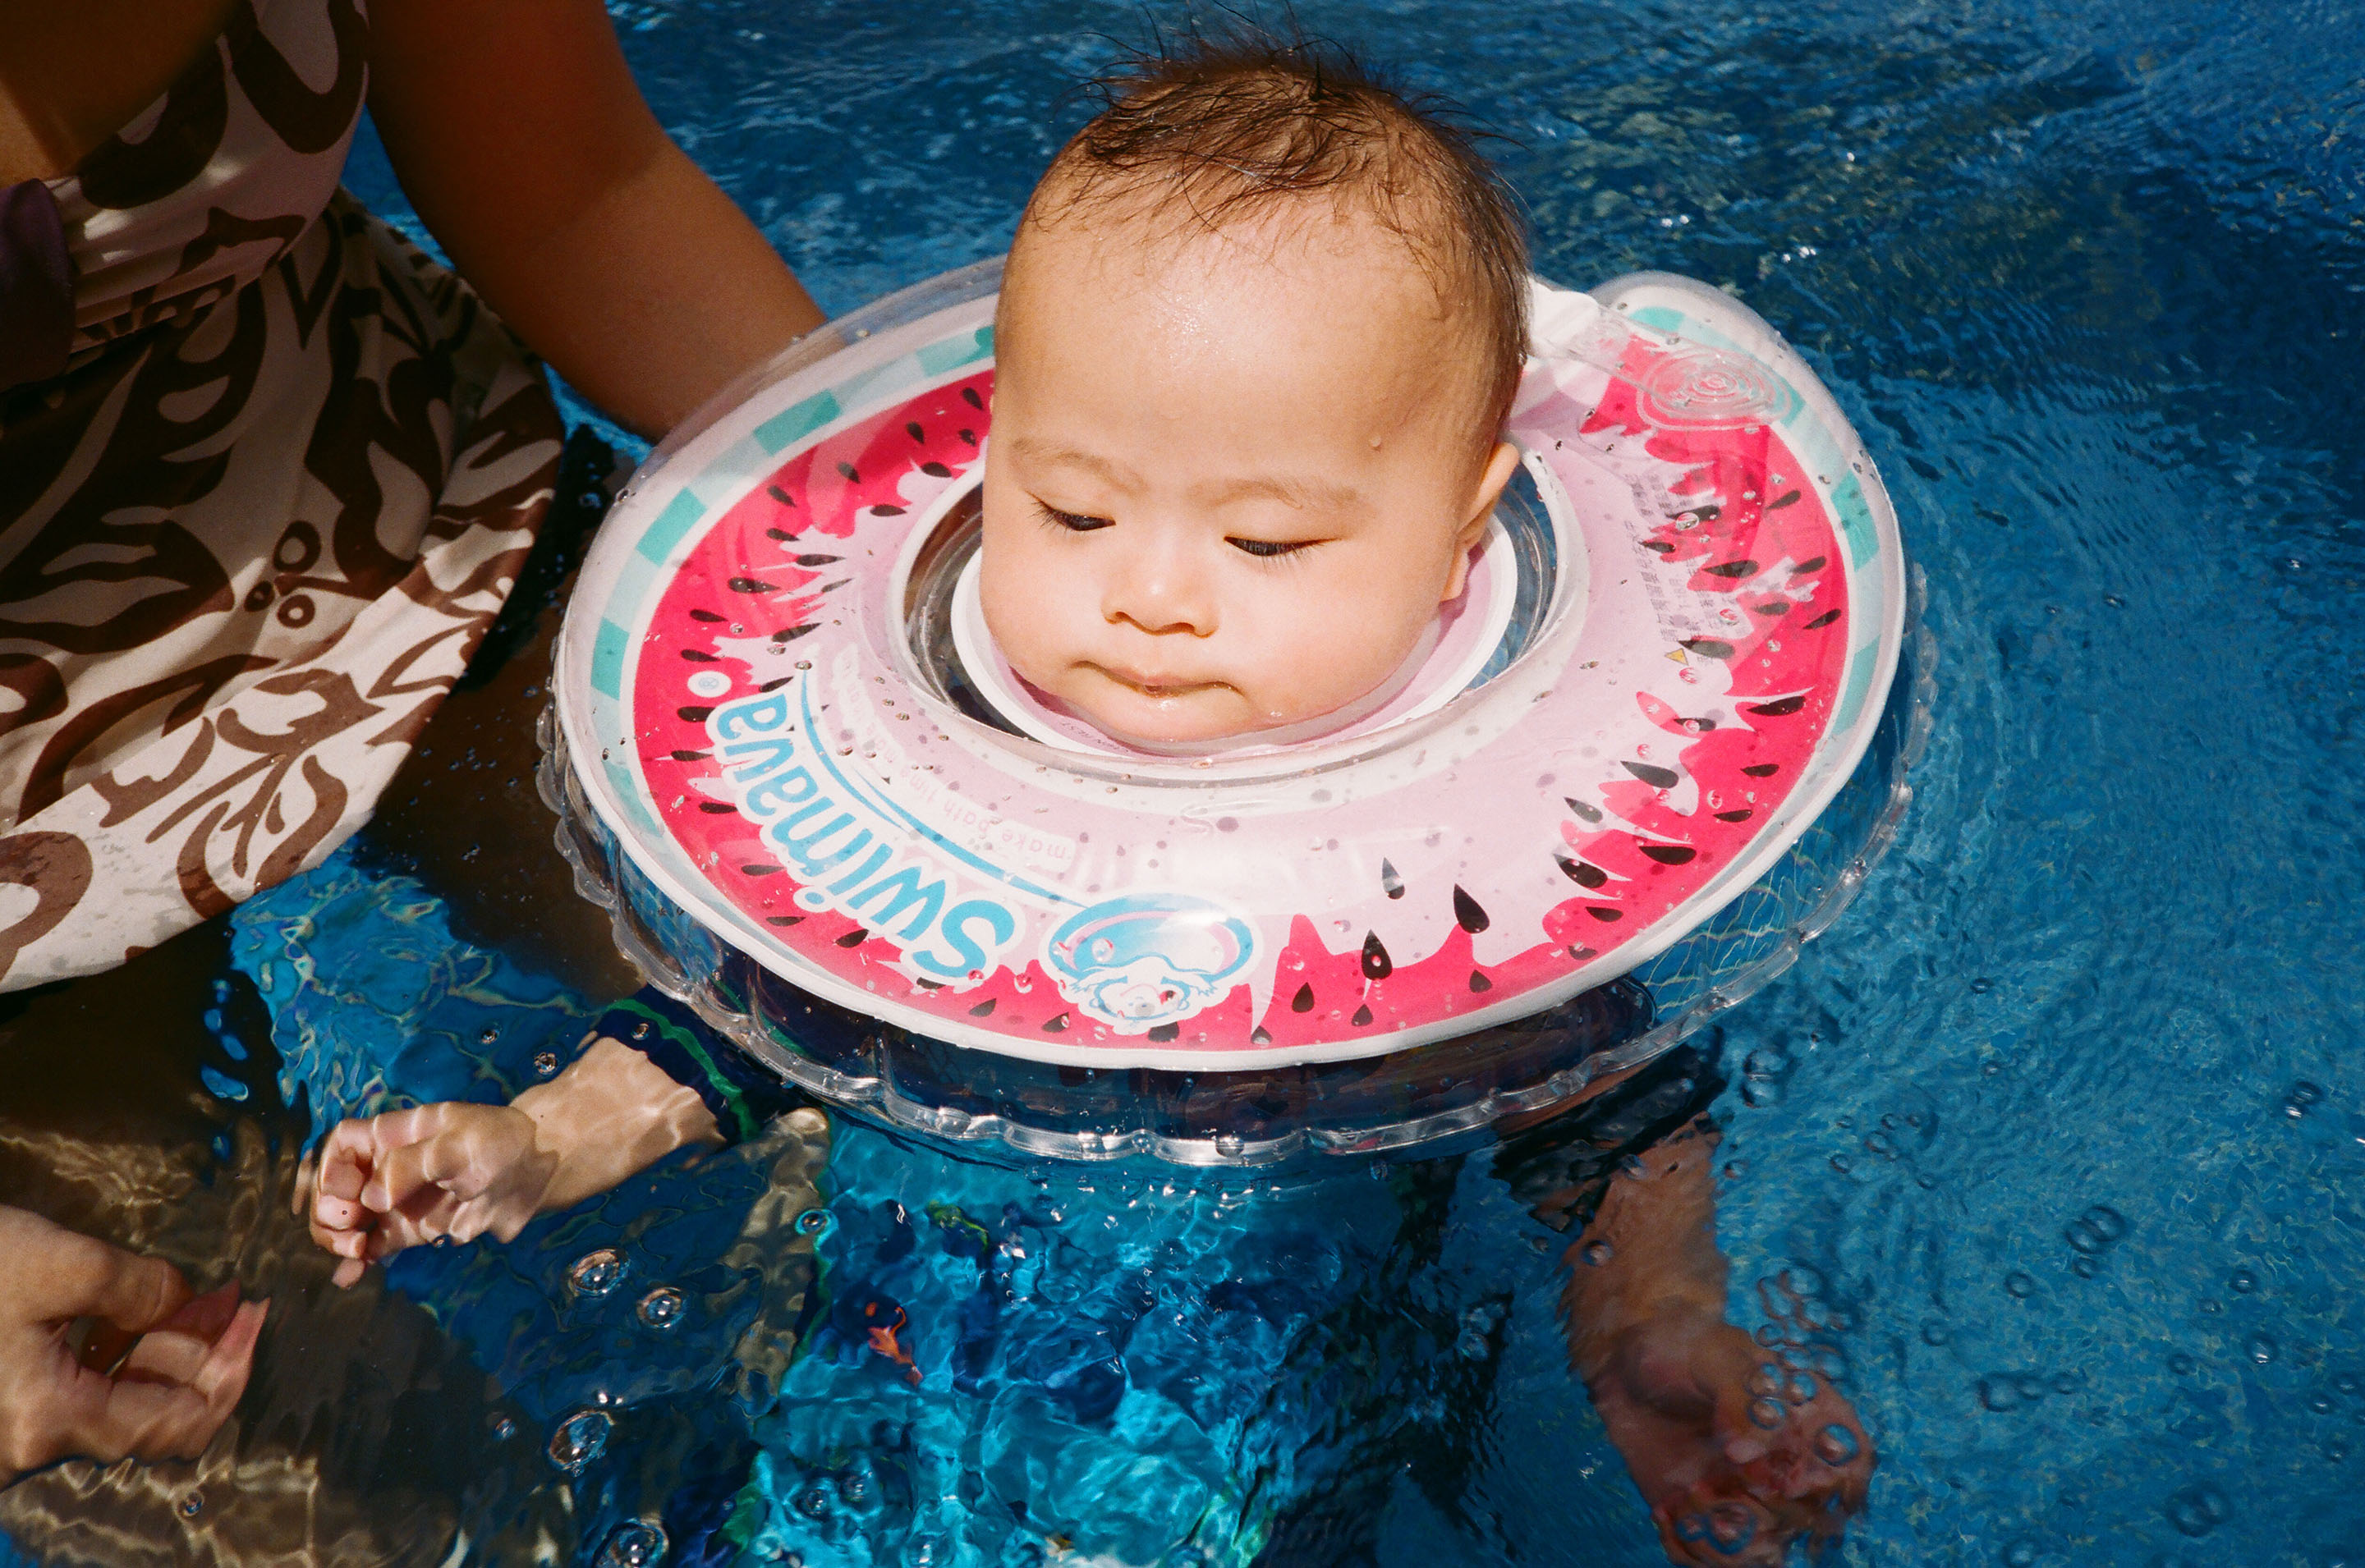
(1738, 1453)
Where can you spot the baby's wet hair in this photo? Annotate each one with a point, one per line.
(1216, 128)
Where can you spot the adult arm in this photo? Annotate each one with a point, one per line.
(519, 135)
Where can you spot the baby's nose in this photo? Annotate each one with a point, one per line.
(1160, 595)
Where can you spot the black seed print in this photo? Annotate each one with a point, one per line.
(819, 560)
(935, 470)
(1603, 915)
(853, 938)
(1708, 514)
(1813, 563)
(1162, 1033)
(912, 428)
(1763, 769)
(1780, 501)
(1660, 545)
(752, 585)
(706, 615)
(983, 1009)
(776, 683)
(1479, 982)
(832, 587)
(886, 511)
(1583, 875)
(1256, 1037)
(757, 871)
(1467, 915)
(714, 808)
(968, 396)
(1056, 1025)
(698, 655)
(1590, 813)
(1363, 1015)
(1733, 569)
(929, 985)
(790, 634)
(1390, 883)
(846, 469)
(1781, 710)
(1303, 1000)
(1709, 647)
(780, 533)
(1740, 816)
(1697, 726)
(1670, 853)
(1656, 776)
(1581, 953)
(1376, 963)
(693, 715)
(1774, 607)
(784, 919)
(969, 438)
(779, 494)
(683, 755)
(1825, 619)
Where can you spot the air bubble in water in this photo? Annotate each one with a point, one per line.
(2197, 1510)
(2241, 1282)
(2320, 1403)
(811, 1502)
(193, 1505)
(813, 1221)
(501, 1427)
(2261, 1348)
(1837, 1445)
(1936, 1333)
(2180, 1364)
(597, 1273)
(637, 1545)
(1595, 1253)
(580, 1439)
(661, 1308)
(546, 1065)
(2336, 1448)
(2020, 1285)
(1767, 1413)
(487, 1035)
(2020, 1555)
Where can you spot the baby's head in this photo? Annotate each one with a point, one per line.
(1259, 329)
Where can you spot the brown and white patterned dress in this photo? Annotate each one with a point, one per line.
(255, 523)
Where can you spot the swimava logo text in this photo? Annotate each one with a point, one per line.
(1148, 958)
(846, 853)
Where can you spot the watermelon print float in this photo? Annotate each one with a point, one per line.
(1678, 705)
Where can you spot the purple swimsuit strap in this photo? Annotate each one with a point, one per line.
(36, 285)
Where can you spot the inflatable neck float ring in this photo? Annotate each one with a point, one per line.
(817, 824)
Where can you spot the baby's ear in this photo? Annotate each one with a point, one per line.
(1491, 480)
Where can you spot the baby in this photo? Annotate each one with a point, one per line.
(1257, 337)
(1260, 327)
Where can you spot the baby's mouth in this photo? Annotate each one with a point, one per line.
(1155, 687)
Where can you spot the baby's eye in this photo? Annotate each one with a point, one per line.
(1075, 522)
(1269, 547)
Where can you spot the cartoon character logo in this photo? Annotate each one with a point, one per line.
(1147, 959)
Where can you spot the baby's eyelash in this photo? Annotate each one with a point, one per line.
(1075, 522)
(1269, 549)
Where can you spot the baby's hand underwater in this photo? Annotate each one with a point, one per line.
(450, 1170)
(1739, 1455)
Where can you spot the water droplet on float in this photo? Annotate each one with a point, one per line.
(661, 1308)
(1230, 1146)
(580, 1439)
(1767, 1413)
(635, 1545)
(546, 1065)
(2261, 1348)
(1836, 1444)
(812, 1502)
(596, 1272)
(1595, 1253)
(2241, 1282)
(2019, 1285)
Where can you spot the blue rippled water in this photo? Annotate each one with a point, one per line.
(2064, 1122)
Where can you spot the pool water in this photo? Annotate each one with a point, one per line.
(2060, 1133)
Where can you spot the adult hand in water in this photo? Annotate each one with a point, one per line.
(459, 1171)
(154, 1376)
(1738, 1455)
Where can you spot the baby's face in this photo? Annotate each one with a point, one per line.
(1230, 477)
